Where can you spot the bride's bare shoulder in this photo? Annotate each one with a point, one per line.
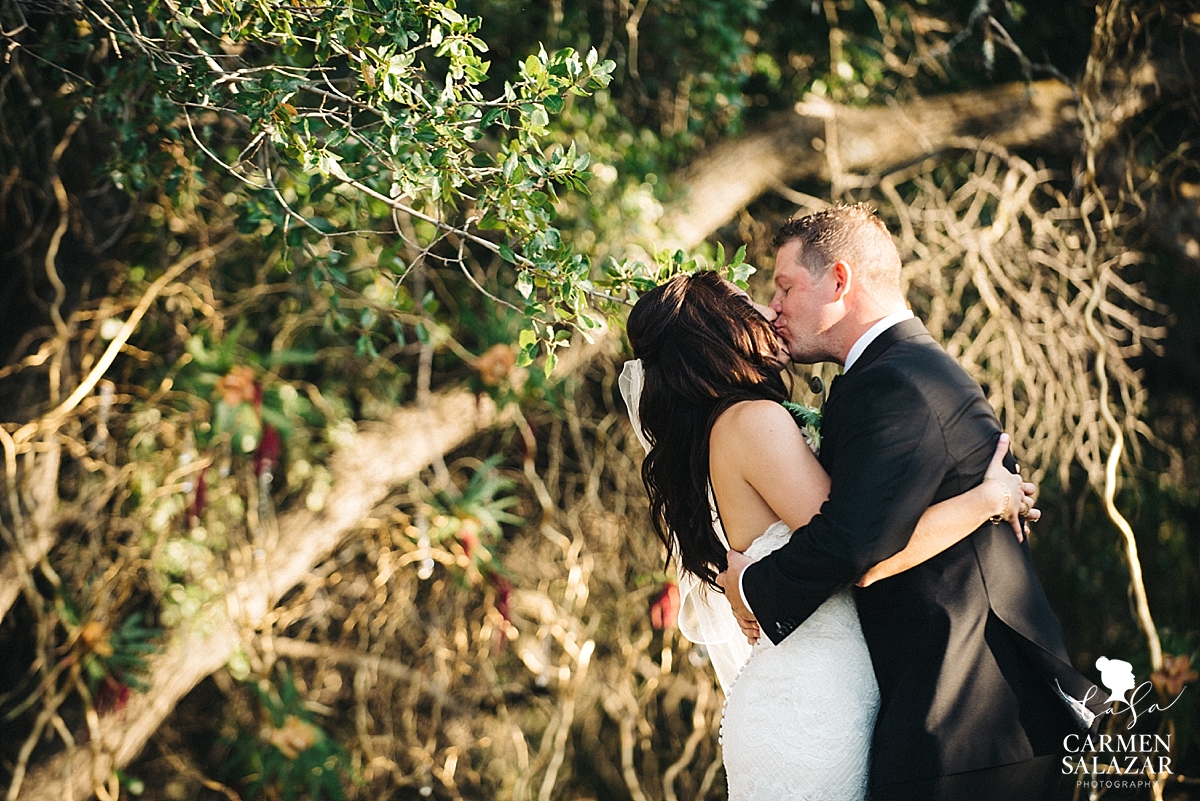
(763, 470)
(752, 421)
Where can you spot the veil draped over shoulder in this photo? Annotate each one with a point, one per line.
(705, 617)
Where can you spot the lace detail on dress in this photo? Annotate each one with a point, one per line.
(798, 719)
(771, 540)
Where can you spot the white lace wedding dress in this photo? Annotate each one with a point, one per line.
(799, 717)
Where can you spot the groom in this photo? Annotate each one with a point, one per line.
(965, 646)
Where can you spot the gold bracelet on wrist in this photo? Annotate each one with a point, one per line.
(1000, 518)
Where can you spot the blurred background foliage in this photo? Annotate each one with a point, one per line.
(238, 237)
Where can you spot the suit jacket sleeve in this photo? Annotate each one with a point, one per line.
(890, 458)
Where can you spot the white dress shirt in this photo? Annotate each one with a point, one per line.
(872, 334)
(856, 351)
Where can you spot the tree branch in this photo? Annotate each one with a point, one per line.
(793, 145)
(365, 469)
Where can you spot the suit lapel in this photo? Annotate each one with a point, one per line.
(843, 384)
(905, 329)
(833, 385)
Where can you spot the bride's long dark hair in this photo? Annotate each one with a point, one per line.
(703, 347)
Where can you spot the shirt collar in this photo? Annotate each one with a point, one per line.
(871, 334)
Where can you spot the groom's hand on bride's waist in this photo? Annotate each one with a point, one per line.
(730, 582)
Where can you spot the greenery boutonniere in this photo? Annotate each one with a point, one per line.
(809, 420)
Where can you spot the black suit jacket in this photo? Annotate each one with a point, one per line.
(965, 646)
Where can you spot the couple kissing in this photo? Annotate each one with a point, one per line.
(903, 647)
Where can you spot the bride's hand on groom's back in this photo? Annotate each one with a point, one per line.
(1014, 496)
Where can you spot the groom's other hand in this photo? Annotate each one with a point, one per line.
(730, 582)
(749, 627)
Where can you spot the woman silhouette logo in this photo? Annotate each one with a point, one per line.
(1117, 676)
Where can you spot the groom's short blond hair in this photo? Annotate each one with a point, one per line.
(852, 234)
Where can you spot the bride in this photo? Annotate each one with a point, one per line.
(727, 463)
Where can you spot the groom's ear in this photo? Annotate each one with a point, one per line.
(841, 274)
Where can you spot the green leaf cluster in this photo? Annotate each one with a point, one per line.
(289, 756)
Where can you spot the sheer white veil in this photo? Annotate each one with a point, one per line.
(705, 617)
